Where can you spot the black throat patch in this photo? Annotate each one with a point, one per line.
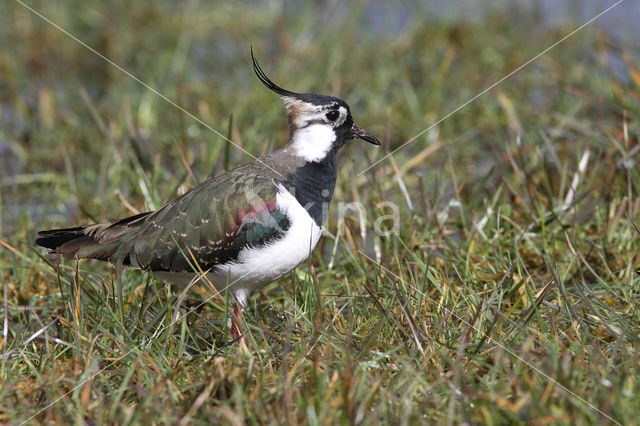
(313, 185)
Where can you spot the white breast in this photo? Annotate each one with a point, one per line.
(313, 142)
(257, 267)
(265, 264)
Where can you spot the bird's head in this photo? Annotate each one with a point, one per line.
(318, 124)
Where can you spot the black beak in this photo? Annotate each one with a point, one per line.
(359, 133)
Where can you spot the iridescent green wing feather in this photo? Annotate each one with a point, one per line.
(214, 221)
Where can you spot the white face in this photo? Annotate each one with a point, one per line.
(313, 127)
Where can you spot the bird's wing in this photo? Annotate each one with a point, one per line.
(214, 221)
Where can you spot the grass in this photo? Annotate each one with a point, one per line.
(508, 294)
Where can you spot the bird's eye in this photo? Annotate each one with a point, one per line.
(332, 115)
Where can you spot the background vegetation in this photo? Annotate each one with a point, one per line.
(509, 294)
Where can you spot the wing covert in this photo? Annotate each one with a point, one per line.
(215, 220)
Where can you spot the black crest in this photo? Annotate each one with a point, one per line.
(267, 82)
(306, 97)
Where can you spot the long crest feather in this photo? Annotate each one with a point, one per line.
(267, 81)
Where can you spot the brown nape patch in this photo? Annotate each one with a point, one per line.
(295, 109)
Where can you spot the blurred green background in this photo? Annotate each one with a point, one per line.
(401, 67)
(517, 212)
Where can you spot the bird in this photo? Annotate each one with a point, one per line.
(245, 228)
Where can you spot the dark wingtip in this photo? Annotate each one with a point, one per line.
(266, 81)
(55, 238)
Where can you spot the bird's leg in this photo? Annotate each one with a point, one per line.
(236, 317)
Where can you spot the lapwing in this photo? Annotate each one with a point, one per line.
(246, 227)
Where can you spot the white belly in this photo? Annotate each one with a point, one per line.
(257, 267)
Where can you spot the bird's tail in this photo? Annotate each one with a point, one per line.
(103, 241)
